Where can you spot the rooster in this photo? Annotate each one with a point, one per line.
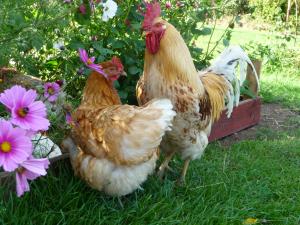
(198, 97)
(114, 146)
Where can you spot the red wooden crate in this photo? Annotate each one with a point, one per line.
(245, 115)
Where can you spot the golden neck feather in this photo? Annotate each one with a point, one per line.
(99, 91)
(173, 60)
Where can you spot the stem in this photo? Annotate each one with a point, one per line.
(129, 8)
(211, 35)
(218, 41)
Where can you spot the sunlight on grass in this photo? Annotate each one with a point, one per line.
(281, 87)
(242, 36)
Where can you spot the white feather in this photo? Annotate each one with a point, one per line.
(225, 64)
(153, 130)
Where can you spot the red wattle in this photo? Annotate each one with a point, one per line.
(153, 42)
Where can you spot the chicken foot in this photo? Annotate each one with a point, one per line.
(165, 166)
(181, 180)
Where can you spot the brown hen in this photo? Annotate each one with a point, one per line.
(114, 146)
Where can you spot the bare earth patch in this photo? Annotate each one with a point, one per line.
(274, 118)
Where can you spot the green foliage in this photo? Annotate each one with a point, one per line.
(274, 12)
(269, 10)
(31, 28)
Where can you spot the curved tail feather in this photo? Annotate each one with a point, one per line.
(225, 64)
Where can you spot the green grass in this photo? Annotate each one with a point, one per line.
(251, 179)
(241, 36)
(257, 179)
(281, 87)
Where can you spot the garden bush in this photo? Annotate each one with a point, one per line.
(42, 38)
(274, 12)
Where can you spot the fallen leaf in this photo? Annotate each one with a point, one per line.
(250, 221)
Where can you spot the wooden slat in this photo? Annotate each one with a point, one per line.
(247, 114)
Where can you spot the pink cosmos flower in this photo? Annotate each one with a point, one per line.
(30, 170)
(168, 5)
(15, 146)
(25, 111)
(89, 62)
(51, 91)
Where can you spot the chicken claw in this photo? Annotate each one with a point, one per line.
(181, 180)
(165, 166)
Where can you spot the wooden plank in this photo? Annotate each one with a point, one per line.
(247, 114)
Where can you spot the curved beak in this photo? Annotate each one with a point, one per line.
(124, 74)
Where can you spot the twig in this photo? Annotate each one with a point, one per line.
(217, 42)
(212, 33)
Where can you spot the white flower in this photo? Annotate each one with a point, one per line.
(109, 10)
(59, 45)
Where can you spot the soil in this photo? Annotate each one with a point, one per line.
(274, 117)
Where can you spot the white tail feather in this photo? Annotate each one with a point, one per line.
(226, 64)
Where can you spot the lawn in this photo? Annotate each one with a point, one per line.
(252, 179)
(249, 179)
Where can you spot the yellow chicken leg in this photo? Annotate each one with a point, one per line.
(165, 166)
(181, 180)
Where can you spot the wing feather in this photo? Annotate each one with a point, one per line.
(125, 134)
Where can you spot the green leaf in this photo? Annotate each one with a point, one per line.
(117, 44)
(123, 94)
(98, 45)
(134, 70)
(37, 42)
(117, 84)
(204, 31)
(225, 42)
(106, 51)
(100, 58)
(87, 72)
(75, 44)
(52, 64)
(136, 26)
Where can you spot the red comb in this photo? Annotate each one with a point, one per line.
(117, 62)
(152, 11)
